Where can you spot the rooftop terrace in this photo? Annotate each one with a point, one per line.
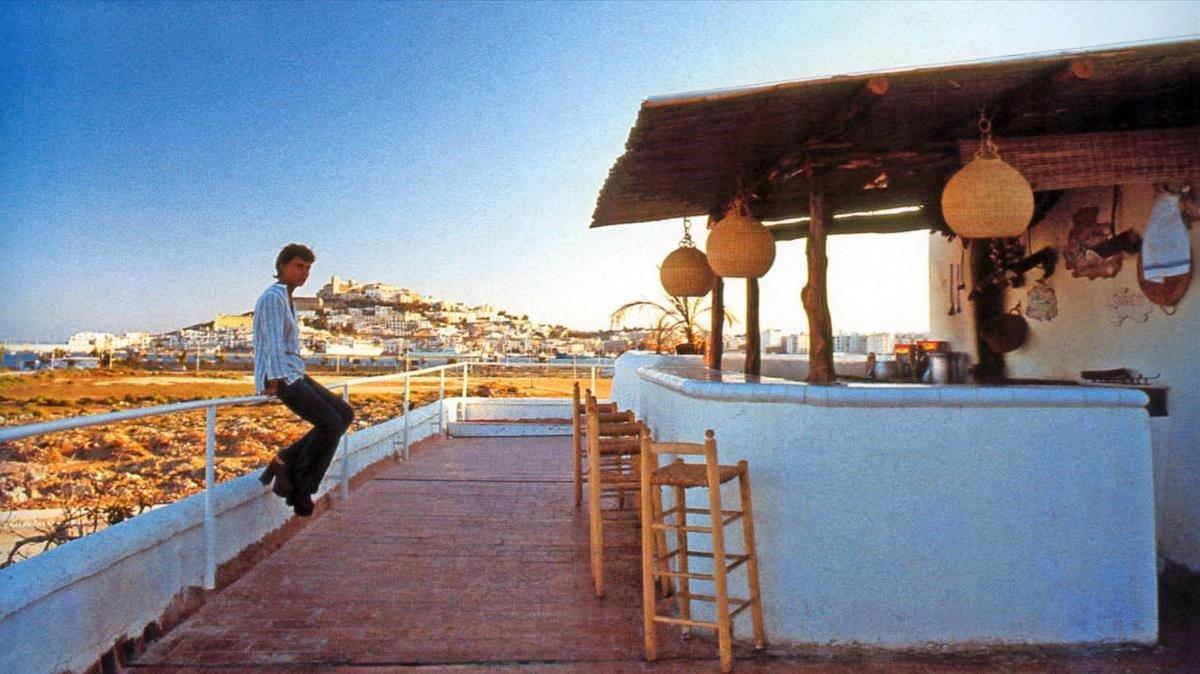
(470, 557)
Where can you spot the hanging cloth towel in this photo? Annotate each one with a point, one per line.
(1165, 247)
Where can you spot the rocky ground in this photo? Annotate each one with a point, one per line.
(150, 460)
(104, 474)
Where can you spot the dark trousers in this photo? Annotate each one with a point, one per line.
(330, 416)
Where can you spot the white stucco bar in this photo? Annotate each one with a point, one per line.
(915, 516)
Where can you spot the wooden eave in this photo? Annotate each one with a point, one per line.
(685, 154)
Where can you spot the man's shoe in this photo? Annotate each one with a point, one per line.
(279, 471)
(302, 505)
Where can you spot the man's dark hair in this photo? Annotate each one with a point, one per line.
(291, 252)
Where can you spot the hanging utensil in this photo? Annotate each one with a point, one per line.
(952, 293)
(962, 256)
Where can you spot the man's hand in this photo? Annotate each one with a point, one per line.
(272, 387)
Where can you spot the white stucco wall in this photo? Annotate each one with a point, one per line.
(1083, 337)
(886, 517)
(480, 409)
(60, 610)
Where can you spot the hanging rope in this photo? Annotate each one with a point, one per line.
(686, 241)
(987, 148)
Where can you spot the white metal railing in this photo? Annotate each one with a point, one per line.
(400, 450)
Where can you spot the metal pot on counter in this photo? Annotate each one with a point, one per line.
(947, 367)
(940, 368)
(885, 370)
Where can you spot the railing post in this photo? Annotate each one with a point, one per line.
(594, 391)
(345, 486)
(466, 367)
(210, 479)
(442, 402)
(407, 410)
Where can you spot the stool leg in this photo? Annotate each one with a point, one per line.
(724, 626)
(594, 522)
(681, 542)
(760, 635)
(577, 442)
(577, 423)
(660, 539)
(649, 602)
(621, 490)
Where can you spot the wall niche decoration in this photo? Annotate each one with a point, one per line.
(1041, 304)
(1127, 304)
(1086, 232)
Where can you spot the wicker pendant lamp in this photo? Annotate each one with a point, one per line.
(987, 198)
(685, 272)
(739, 246)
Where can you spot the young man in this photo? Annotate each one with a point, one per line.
(279, 370)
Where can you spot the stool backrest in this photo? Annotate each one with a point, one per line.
(608, 424)
(651, 449)
(593, 427)
(619, 428)
(580, 403)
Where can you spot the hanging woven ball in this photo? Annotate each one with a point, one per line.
(987, 198)
(739, 246)
(685, 273)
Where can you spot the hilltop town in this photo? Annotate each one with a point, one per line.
(381, 325)
(349, 322)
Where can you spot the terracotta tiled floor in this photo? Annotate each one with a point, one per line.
(471, 557)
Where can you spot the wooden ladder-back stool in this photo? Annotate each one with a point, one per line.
(608, 413)
(681, 476)
(612, 474)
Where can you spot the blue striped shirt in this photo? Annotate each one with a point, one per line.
(276, 339)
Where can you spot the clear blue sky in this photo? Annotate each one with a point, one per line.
(154, 157)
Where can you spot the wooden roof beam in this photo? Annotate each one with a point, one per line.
(929, 155)
(829, 138)
(856, 224)
(1010, 106)
(1005, 108)
(856, 107)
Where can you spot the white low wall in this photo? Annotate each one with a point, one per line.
(907, 516)
(60, 610)
(480, 409)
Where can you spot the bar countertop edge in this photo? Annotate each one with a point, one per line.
(707, 384)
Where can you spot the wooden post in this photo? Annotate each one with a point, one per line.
(753, 350)
(816, 301)
(716, 330)
(988, 304)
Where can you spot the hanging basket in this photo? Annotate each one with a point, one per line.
(685, 273)
(739, 246)
(987, 199)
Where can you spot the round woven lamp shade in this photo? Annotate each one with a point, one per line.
(685, 273)
(987, 198)
(739, 246)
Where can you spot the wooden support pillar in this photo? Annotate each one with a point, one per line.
(816, 301)
(716, 329)
(988, 303)
(753, 347)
